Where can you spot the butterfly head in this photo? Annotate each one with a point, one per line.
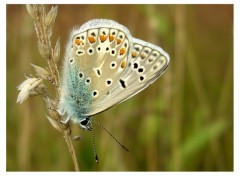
(86, 124)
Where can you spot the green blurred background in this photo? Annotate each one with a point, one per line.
(182, 122)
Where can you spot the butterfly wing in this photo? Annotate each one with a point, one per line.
(145, 63)
(105, 65)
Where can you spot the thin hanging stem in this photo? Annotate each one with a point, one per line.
(43, 25)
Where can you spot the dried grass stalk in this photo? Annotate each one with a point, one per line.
(34, 85)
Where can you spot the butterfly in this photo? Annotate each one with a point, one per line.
(104, 66)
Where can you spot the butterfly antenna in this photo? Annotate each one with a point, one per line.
(93, 143)
(125, 148)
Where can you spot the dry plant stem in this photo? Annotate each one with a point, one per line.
(68, 140)
(44, 31)
(44, 39)
(67, 136)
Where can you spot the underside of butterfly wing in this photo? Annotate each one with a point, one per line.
(104, 65)
(146, 63)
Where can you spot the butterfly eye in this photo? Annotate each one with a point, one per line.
(85, 122)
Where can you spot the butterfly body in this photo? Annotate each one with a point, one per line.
(104, 65)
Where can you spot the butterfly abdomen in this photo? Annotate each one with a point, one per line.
(78, 97)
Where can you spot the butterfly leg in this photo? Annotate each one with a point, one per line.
(64, 119)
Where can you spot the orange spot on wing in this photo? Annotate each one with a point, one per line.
(134, 54)
(122, 51)
(103, 38)
(111, 38)
(123, 64)
(143, 56)
(119, 41)
(77, 41)
(91, 39)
